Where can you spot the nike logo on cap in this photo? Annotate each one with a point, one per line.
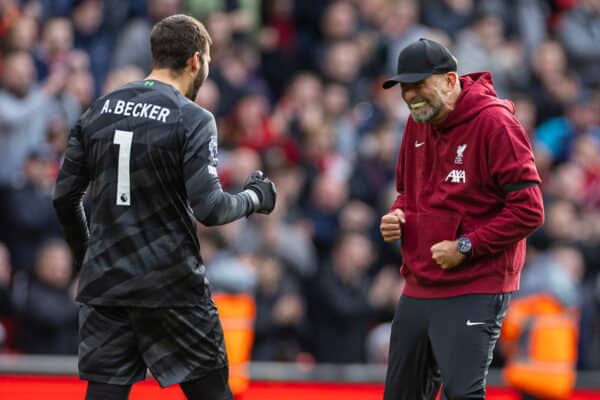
(417, 144)
(469, 323)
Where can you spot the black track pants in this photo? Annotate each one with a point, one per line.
(448, 341)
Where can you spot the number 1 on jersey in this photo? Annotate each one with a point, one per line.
(123, 139)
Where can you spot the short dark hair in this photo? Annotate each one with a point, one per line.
(175, 39)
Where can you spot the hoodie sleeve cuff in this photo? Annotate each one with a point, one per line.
(475, 244)
(398, 203)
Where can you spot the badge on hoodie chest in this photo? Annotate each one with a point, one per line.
(460, 151)
(458, 175)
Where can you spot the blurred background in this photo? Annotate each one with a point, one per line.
(295, 86)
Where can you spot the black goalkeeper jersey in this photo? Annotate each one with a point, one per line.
(147, 157)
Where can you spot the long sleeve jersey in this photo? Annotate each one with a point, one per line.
(146, 158)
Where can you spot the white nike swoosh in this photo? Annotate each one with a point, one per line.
(469, 323)
(417, 144)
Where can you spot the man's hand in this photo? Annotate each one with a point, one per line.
(390, 225)
(265, 191)
(446, 255)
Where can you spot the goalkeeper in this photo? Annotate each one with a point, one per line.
(149, 156)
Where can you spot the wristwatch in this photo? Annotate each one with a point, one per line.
(464, 246)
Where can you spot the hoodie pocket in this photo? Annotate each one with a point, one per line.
(427, 230)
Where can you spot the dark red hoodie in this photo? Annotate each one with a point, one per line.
(464, 178)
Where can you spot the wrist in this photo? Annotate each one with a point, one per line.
(253, 197)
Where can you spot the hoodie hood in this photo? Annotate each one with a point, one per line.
(477, 94)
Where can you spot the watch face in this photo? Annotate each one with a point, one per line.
(464, 245)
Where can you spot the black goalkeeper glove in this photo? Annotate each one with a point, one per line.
(265, 191)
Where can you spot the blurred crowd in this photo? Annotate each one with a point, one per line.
(295, 86)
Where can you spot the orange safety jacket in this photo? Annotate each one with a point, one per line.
(237, 313)
(539, 341)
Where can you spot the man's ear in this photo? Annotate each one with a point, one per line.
(450, 80)
(195, 61)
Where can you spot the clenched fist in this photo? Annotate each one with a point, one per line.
(391, 225)
(446, 254)
(266, 195)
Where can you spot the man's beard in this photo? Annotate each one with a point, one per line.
(427, 112)
(192, 91)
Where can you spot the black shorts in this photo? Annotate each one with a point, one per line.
(448, 341)
(117, 344)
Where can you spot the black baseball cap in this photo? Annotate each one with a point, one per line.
(421, 59)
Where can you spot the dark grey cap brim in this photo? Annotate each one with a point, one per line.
(405, 78)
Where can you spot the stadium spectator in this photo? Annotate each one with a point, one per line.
(375, 167)
(328, 196)
(31, 217)
(91, 35)
(357, 216)
(450, 16)
(556, 137)
(278, 41)
(46, 313)
(120, 76)
(22, 35)
(563, 222)
(9, 15)
(525, 112)
(401, 27)
(343, 302)
(229, 270)
(57, 136)
(579, 32)
(209, 96)
(280, 327)
(341, 63)
(290, 242)
(336, 100)
(338, 24)
(551, 84)
(532, 17)
(250, 124)
(339, 21)
(541, 328)
(131, 47)
(586, 155)
(81, 86)
(56, 45)
(27, 109)
(482, 47)
(285, 239)
(371, 40)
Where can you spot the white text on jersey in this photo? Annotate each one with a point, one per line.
(141, 110)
